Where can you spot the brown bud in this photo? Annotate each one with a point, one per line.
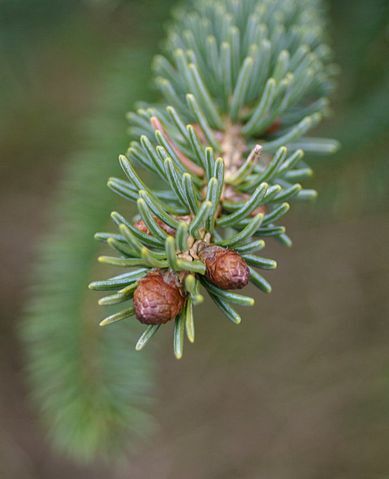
(225, 268)
(260, 209)
(158, 297)
(274, 127)
(141, 226)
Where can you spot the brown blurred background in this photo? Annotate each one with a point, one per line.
(301, 389)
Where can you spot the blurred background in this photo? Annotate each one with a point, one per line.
(301, 389)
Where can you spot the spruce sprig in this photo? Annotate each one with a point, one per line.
(242, 83)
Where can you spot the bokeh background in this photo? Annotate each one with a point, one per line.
(301, 389)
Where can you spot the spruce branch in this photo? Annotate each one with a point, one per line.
(242, 83)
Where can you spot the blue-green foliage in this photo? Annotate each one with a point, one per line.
(242, 83)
